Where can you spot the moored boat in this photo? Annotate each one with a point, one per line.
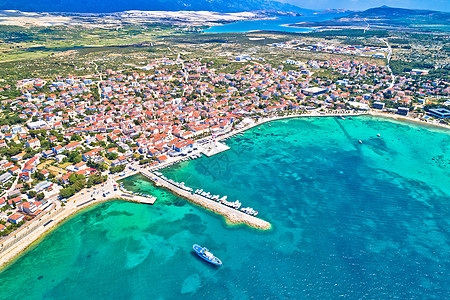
(206, 255)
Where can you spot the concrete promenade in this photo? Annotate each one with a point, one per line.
(266, 119)
(232, 215)
(214, 148)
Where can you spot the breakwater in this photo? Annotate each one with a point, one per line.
(232, 216)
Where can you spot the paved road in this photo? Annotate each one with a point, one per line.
(391, 85)
(101, 79)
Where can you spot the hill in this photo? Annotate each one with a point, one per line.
(108, 6)
(388, 18)
(401, 15)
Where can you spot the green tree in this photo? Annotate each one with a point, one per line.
(116, 169)
(67, 193)
(40, 176)
(74, 178)
(75, 157)
(112, 156)
(75, 137)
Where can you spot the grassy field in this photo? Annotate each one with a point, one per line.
(19, 43)
(47, 52)
(56, 171)
(64, 165)
(44, 164)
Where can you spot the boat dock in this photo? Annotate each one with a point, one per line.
(231, 215)
(139, 199)
(136, 197)
(214, 148)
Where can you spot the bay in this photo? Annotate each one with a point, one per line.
(271, 24)
(349, 220)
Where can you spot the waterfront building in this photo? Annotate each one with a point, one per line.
(28, 207)
(16, 218)
(402, 111)
(439, 113)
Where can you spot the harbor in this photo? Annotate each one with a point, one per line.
(231, 213)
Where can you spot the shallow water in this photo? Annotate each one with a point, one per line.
(272, 24)
(349, 220)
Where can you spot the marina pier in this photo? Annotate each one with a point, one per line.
(232, 215)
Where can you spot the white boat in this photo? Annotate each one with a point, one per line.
(249, 211)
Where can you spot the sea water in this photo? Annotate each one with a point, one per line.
(276, 24)
(349, 220)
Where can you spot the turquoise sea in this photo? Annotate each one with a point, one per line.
(350, 220)
(272, 24)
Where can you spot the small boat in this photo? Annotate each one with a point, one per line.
(378, 135)
(206, 255)
(237, 204)
(360, 141)
(249, 211)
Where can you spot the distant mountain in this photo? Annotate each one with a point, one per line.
(392, 13)
(388, 18)
(108, 6)
(335, 11)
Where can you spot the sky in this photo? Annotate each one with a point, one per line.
(443, 5)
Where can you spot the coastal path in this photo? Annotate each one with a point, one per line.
(19, 240)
